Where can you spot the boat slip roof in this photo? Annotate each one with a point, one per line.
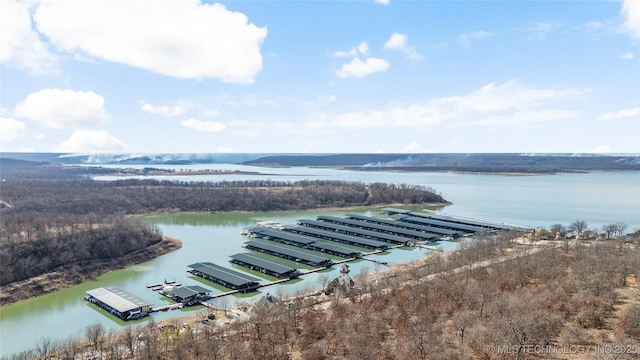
(262, 245)
(117, 298)
(263, 263)
(233, 277)
(338, 237)
(186, 291)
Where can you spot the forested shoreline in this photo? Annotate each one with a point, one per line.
(56, 218)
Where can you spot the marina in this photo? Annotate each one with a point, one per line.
(303, 244)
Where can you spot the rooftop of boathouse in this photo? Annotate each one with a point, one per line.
(356, 231)
(229, 278)
(338, 237)
(389, 227)
(288, 253)
(281, 236)
(119, 302)
(264, 265)
(429, 214)
(439, 223)
(187, 293)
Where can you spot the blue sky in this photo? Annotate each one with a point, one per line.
(184, 76)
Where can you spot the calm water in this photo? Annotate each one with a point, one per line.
(598, 198)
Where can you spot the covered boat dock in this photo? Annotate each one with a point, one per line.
(119, 302)
(421, 233)
(228, 278)
(264, 265)
(463, 228)
(338, 237)
(188, 295)
(354, 231)
(289, 253)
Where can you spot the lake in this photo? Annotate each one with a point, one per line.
(598, 198)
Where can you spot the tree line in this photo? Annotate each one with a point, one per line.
(35, 205)
(580, 229)
(71, 248)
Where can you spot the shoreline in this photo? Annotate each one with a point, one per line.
(69, 275)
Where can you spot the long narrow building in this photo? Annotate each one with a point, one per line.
(303, 241)
(337, 237)
(355, 231)
(228, 278)
(485, 224)
(464, 228)
(419, 232)
(288, 253)
(264, 265)
(119, 302)
(281, 236)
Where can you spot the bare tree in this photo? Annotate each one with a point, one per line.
(45, 346)
(559, 230)
(94, 333)
(578, 226)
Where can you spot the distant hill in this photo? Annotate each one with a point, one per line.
(526, 163)
(473, 162)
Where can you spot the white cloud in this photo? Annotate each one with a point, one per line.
(363, 48)
(167, 110)
(631, 13)
(396, 42)
(603, 149)
(20, 46)
(358, 68)
(504, 104)
(206, 126)
(11, 129)
(63, 109)
(177, 38)
(621, 114)
(87, 141)
(467, 38)
(627, 56)
(381, 2)
(350, 53)
(400, 42)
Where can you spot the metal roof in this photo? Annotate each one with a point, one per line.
(430, 214)
(338, 237)
(398, 224)
(413, 230)
(117, 298)
(293, 253)
(184, 292)
(462, 220)
(335, 248)
(395, 239)
(263, 263)
(232, 277)
(295, 238)
(441, 223)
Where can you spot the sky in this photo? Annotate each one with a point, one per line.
(319, 76)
